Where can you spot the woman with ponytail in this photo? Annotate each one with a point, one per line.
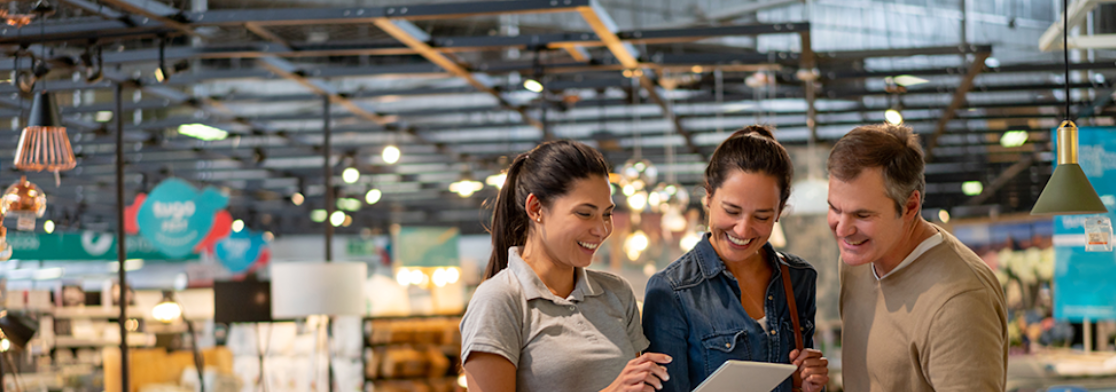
(541, 321)
(733, 297)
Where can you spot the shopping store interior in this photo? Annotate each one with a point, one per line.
(297, 193)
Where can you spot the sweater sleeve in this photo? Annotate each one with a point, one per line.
(965, 348)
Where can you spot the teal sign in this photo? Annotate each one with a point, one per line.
(240, 250)
(426, 246)
(1083, 283)
(81, 246)
(175, 216)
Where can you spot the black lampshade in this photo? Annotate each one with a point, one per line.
(44, 111)
(17, 329)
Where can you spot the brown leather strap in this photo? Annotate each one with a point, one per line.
(793, 314)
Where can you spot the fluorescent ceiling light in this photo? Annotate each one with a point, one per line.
(203, 132)
(907, 80)
(972, 188)
(1013, 139)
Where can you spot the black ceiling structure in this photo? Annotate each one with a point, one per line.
(436, 80)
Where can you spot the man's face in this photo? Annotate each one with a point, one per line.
(863, 219)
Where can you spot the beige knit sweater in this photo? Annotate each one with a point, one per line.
(939, 324)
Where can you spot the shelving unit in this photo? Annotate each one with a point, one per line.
(412, 354)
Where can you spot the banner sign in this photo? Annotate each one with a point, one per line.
(240, 250)
(1083, 283)
(86, 245)
(175, 216)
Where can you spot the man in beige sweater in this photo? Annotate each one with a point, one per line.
(921, 312)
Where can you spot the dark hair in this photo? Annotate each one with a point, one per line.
(893, 148)
(752, 149)
(547, 172)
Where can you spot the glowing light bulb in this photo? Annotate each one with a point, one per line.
(373, 196)
(166, 311)
(237, 225)
(350, 175)
(391, 154)
(893, 117)
(337, 219)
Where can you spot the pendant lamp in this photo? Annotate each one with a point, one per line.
(1068, 192)
(25, 201)
(44, 144)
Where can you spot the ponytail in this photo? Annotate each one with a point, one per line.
(509, 220)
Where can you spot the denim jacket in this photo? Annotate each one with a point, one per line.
(692, 312)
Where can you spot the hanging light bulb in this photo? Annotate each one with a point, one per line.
(635, 244)
(391, 154)
(350, 175)
(25, 201)
(689, 240)
(466, 187)
(297, 198)
(167, 310)
(668, 196)
(373, 196)
(237, 226)
(640, 174)
(638, 201)
(337, 219)
(533, 85)
(893, 117)
(44, 145)
(48, 226)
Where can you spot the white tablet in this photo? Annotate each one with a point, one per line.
(746, 376)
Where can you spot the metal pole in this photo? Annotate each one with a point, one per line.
(328, 172)
(121, 248)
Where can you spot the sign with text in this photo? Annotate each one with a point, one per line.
(175, 216)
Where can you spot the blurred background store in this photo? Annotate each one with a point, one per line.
(246, 138)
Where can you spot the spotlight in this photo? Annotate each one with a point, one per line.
(391, 154)
(893, 117)
(350, 175)
(533, 85)
(373, 196)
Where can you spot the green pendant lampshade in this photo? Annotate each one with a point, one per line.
(1068, 192)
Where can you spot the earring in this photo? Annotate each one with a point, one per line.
(539, 219)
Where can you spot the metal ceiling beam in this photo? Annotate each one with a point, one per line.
(291, 72)
(1078, 10)
(156, 11)
(959, 96)
(728, 15)
(417, 39)
(628, 56)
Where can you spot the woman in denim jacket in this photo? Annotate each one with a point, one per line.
(724, 299)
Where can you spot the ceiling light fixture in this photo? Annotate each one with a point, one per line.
(203, 132)
(1012, 139)
(350, 175)
(373, 196)
(391, 154)
(1068, 192)
(972, 188)
(893, 117)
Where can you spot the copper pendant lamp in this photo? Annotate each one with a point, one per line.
(44, 144)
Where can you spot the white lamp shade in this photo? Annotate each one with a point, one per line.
(302, 289)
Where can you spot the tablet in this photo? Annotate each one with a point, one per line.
(746, 376)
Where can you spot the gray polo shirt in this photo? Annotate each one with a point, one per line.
(579, 343)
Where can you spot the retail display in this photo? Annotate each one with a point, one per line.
(412, 354)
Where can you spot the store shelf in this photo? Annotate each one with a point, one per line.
(96, 312)
(134, 340)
